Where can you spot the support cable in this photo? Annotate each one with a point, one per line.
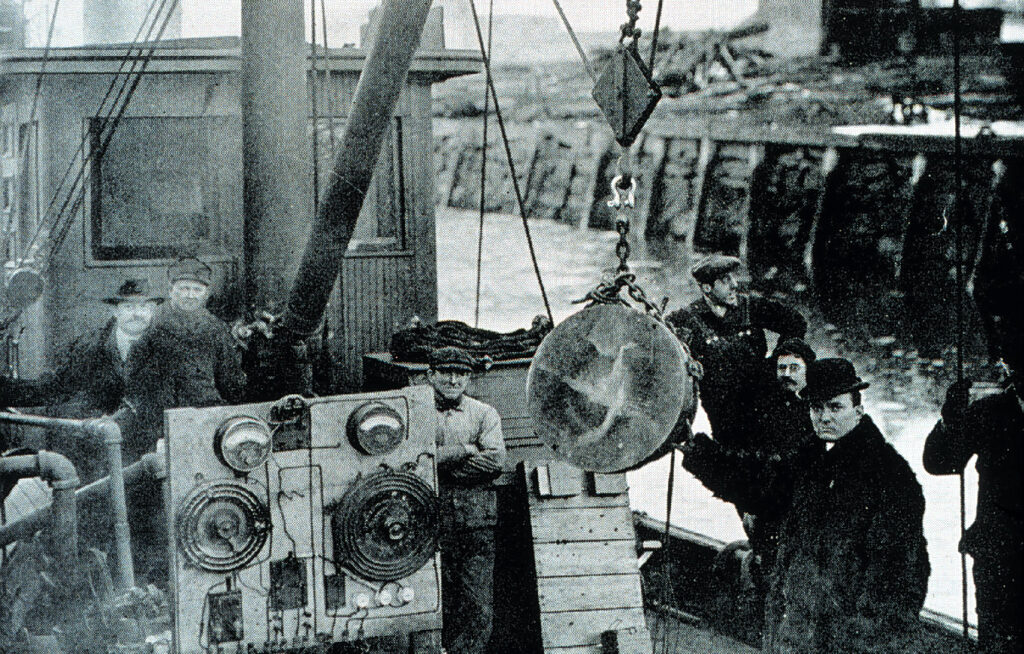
(49, 219)
(511, 162)
(960, 291)
(666, 540)
(576, 42)
(330, 98)
(654, 37)
(483, 171)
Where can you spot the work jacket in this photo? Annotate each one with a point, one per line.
(852, 567)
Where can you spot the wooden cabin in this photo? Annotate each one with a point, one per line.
(170, 182)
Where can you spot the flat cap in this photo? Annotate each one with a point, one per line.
(713, 266)
(796, 347)
(450, 358)
(191, 269)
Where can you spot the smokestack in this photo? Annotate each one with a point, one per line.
(118, 21)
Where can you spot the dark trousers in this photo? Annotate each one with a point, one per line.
(999, 592)
(467, 589)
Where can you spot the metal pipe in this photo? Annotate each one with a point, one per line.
(382, 79)
(110, 432)
(150, 466)
(60, 474)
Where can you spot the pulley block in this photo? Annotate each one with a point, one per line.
(386, 527)
(607, 386)
(222, 526)
(626, 93)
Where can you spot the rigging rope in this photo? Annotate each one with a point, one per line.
(576, 42)
(511, 162)
(654, 37)
(313, 108)
(483, 172)
(666, 540)
(331, 97)
(960, 293)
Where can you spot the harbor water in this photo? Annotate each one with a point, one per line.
(571, 262)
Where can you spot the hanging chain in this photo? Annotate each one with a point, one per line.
(623, 187)
(629, 28)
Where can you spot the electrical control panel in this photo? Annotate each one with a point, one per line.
(303, 522)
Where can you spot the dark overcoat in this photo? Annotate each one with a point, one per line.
(186, 359)
(852, 567)
(91, 379)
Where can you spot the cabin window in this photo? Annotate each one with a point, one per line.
(164, 186)
(382, 224)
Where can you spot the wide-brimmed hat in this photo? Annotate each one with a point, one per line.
(450, 358)
(192, 269)
(827, 378)
(714, 266)
(132, 290)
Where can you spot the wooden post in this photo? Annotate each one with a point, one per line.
(829, 162)
(654, 149)
(755, 155)
(708, 148)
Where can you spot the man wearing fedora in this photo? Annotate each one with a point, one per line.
(91, 380)
(725, 330)
(470, 456)
(851, 571)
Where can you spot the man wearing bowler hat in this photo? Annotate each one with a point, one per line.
(725, 330)
(851, 571)
(470, 455)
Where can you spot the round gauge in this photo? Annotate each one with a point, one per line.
(375, 429)
(222, 526)
(243, 443)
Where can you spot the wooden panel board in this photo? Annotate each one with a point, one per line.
(576, 628)
(589, 558)
(590, 593)
(588, 524)
(577, 502)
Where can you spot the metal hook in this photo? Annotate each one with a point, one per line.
(617, 202)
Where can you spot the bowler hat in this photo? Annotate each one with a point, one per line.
(132, 290)
(713, 266)
(450, 358)
(794, 346)
(827, 378)
(192, 269)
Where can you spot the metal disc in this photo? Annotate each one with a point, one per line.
(606, 387)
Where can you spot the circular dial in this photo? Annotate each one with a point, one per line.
(222, 526)
(243, 443)
(385, 528)
(375, 429)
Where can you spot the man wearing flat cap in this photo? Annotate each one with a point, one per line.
(725, 331)
(92, 379)
(852, 568)
(470, 456)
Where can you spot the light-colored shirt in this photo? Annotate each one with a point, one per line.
(469, 440)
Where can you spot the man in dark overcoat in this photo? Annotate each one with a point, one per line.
(758, 478)
(993, 429)
(851, 571)
(187, 359)
(91, 379)
(725, 332)
(470, 456)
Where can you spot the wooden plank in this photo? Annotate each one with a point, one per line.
(613, 557)
(575, 503)
(590, 524)
(576, 628)
(589, 593)
(632, 641)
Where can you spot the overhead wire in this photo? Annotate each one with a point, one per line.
(483, 172)
(576, 42)
(511, 162)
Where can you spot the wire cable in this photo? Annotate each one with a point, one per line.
(654, 37)
(511, 162)
(576, 42)
(313, 106)
(483, 172)
(666, 568)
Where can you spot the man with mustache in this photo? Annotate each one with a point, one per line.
(725, 331)
(470, 456)
(852, 567)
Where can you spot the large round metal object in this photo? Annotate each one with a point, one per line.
(23, 288)
(606, 387)
(386, 527)
(222, 526)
